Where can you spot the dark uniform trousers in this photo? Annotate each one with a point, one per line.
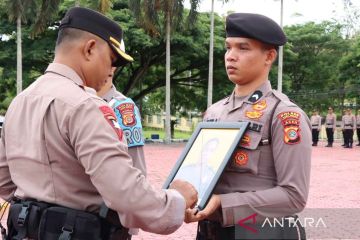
(358, 135)
(209, 230)
(315, 135)
(330, 135)
(348, 137)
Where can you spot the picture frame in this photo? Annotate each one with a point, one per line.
(206, 155)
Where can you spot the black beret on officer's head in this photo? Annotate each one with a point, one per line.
(99, 25)
(255, 26)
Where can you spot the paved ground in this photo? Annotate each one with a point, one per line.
(335, 180)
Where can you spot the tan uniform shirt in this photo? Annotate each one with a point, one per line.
(133, 134)
(315, 122)
(266, 179)
(348, 122)
(358, 121)
(60, 144)
(330, 121)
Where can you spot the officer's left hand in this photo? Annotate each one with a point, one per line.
(213, 204)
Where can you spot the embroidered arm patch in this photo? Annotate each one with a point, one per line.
(110, 117)
(129, 119)
(291, 124)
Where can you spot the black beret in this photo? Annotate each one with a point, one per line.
(99, 25)
(255, 26)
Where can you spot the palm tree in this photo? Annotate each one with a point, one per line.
(22, 11)
(148, 13)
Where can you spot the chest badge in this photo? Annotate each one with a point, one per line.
(253, 114)
(241, 158)
(259, 106)
(245, 141)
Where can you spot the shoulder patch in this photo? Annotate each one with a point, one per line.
(291, 124)
(128, 116)
(110, 117)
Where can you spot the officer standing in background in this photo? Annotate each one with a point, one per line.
(315, 126)
(330, 123)
(129, 119)
(358, 127)
(348, 126)
(66, 148)
(269, 173)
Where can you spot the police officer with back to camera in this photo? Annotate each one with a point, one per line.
(63, 157)
(268, 175)
(315, 126)
(348, 125)
(330, 125)
(129, 119)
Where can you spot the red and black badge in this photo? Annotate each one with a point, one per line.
(111, 119)
(128, 115)
(291, 123)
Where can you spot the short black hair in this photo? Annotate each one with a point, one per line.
(69, 34)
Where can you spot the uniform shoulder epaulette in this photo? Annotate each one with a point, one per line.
(284, 99)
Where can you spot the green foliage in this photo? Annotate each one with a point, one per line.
(321, 66)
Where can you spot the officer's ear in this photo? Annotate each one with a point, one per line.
(89, 49)
(271, 55)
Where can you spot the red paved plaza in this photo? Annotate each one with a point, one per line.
(335, 179)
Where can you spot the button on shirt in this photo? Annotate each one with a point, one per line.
(60, 146)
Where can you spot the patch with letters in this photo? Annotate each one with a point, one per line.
(127, 112)
(245, 141)
(128, 116)
(259, 106)
(253, 114)
(241, 158)
(291, 123)
(111, 119)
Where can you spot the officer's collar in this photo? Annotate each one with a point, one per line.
(112, 93)
(109, 94)
(65, 71)
(252, 98)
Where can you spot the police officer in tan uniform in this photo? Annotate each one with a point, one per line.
(315, 126)
(129, 119)
(61, 145)
(348, 126)
(358, 127)
(330, 124)
(269, 173)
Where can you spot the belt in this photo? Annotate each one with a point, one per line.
(314, 125)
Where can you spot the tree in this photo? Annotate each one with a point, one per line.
(23, 11)
(148, 14)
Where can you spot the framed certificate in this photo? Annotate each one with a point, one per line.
(206, 155)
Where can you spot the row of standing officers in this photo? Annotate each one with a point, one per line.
(349, 124)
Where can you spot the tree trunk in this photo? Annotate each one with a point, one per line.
(167, 98)
(19, 57)
(211, 57)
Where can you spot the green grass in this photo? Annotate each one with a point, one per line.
(178, 134)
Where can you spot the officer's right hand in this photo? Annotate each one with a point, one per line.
(187, 191)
